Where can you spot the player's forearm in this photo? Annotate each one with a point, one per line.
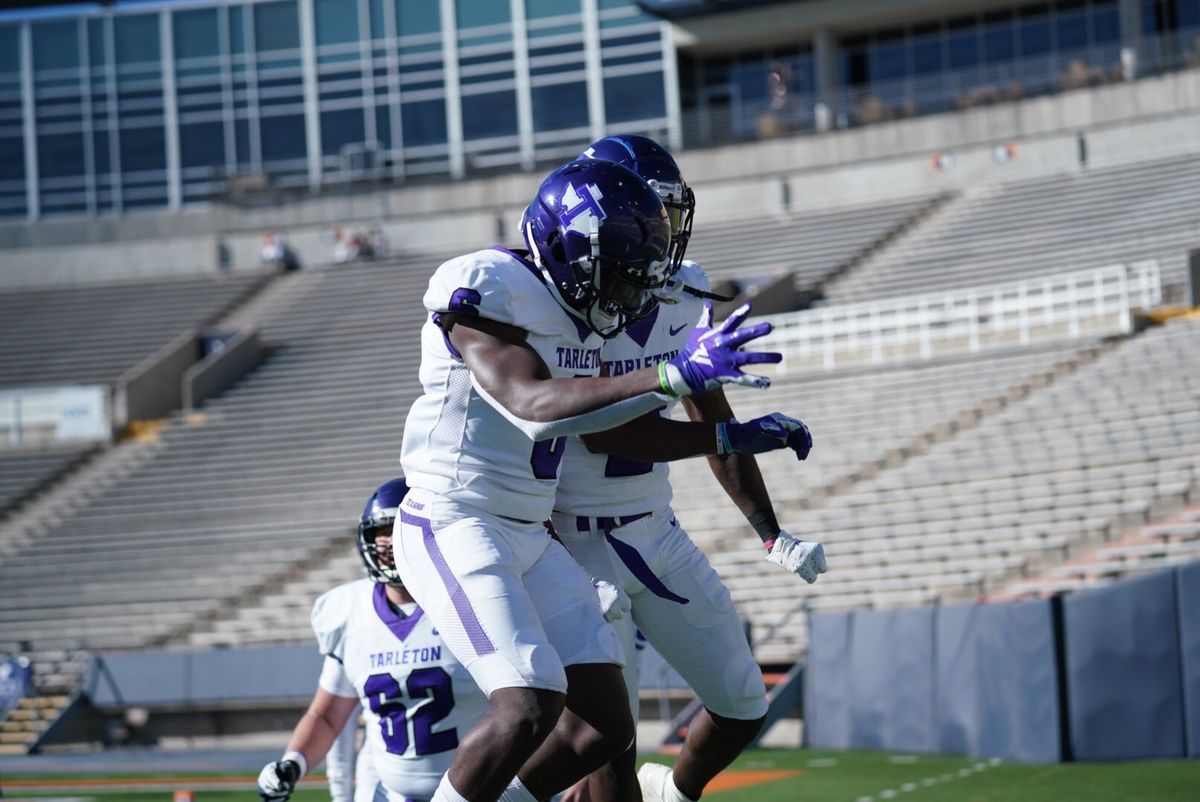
(313, 737)
(653, 438)
(741, 479)
(547, 400)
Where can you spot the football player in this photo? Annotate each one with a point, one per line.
(383, 654)
(510, 364)
(614, 514)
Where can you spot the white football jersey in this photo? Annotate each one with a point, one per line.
(417, 699)
(603, 484)
(455, 443)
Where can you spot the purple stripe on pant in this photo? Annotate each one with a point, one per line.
(462, 605)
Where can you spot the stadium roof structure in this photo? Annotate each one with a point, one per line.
(681, 9)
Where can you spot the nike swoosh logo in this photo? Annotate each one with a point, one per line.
(672, 330)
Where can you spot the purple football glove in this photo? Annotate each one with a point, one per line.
(768, 433)
(713, 356)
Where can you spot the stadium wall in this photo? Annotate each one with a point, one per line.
(1111, 673)
(1056, 133)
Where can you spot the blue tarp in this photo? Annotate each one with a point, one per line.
(1188, 595)
(1123, 670)
(827, 697)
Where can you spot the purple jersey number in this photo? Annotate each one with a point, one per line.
(385, 698)
(618, 467)
(547, 456)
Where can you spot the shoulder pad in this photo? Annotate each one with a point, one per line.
(494, 283)
(693, 275)
(331, 614)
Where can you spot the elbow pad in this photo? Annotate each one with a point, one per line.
(598, 420)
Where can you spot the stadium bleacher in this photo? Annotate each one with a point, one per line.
(1039, 226)
(24, 471)
(813, 244)
(92, 333)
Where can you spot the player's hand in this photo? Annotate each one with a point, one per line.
(614, 602)
(713, 356)
(277, 780)
(801, 557)
(768, 433)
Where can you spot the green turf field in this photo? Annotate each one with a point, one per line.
(847, 777)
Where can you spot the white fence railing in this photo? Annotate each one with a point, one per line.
(1090, 303)
(44, 414)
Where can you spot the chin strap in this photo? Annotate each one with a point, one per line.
(708, 296)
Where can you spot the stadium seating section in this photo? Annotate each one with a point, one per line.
(1054, 224)
(91, 334)
(1026, 470)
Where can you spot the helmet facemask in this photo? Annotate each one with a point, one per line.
(375, 548)
(680, 203)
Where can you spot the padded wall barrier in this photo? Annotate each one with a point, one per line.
(1123, 670)
(827, 697)
(1188, 596)
(997, 682)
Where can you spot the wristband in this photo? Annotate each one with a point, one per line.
(664, 382)
(764, 525)
(300, 760)
(724, 444)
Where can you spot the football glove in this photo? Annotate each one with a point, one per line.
(713, 356)
(768, 433)
(277, 780)
(801, 557)
(614, 602)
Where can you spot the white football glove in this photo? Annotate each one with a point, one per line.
(278, 779)
(614, 602)
(802, 557)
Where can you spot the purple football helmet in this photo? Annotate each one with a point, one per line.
(377, 520)
(657, 168)
(601, 236)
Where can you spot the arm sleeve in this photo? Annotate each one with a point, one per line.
(339, 762)
(598, 420)
(333, 679)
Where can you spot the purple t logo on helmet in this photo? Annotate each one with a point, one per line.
(601, 237)
(657, 167)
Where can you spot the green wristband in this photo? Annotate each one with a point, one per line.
(663, 381)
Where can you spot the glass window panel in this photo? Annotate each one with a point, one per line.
(414, 18)
(283, 137)
(341, 128)
(97, 42)
(1106, 23)
(383, 126)
(55, 45)
(1035, 37)
(1072, 30)
(963, 48)
(10, 57)
(927, 55)
(1189, 14)
(136, 38)
(196, 33)
(535, 9)
(634, 97)
(12, 158)
(490, 114)
(237, 28)
(1150, 16)
(424, 122)
(100, 152)
(615, 3)
(60, 155)
(560, 106)
(241, 138)
(143, 149)
(477, 13)
(336, 21)
(276, 26)
(998, 44)
(378, 28)
(202, 144)
(888, 62)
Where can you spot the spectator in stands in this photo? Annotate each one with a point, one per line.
(277, 254)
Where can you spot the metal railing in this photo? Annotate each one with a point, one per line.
(1090, 303)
